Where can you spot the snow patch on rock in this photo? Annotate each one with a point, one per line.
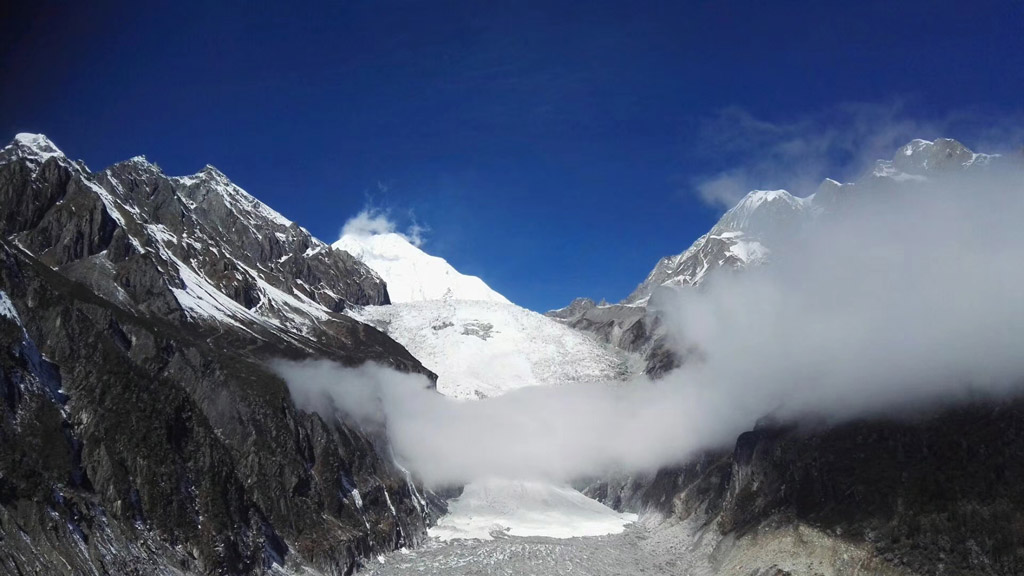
(7, 309)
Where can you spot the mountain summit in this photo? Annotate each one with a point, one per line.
(747, 234)
(411, 274)
(477, 342)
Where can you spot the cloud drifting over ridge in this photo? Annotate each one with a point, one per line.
(371, 221)
(906, 298)
(841, 142)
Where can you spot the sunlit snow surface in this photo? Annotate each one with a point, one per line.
(412, 274)
(36, 147)
(483, 349)
(480, 345)
(519, 508)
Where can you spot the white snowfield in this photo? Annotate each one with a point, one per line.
(521, 508)
(411, 274)
(480, 345)
(481, 349)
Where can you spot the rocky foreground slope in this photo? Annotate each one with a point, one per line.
(140, 431)
(936, 495)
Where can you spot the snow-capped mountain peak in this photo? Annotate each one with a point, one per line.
(746, 232)
(915, 159)
(761, 208)
(737, 240)
(211, 183)
(757, 197)
(210, 251)
(411, 274)
(32, 146)
(476, 341)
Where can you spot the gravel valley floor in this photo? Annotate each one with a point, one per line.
(619, 554)
(649, 548)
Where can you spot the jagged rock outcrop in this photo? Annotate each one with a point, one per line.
(141, 430)
(620, 325)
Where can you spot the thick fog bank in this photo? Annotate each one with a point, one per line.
(895, 299)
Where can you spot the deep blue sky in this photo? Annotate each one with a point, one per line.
(552, 148)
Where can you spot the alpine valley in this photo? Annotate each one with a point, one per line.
(143, 432)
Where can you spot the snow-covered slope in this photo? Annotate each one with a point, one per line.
(411, 274)
(737, 240)
(480, 345)
(476, 341)
(226, 257)
(517, 508)
(482, 349)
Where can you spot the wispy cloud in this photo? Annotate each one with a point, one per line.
(371, 221)
(839, 142)
(906, 301)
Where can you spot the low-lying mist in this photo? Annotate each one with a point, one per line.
(900, 299)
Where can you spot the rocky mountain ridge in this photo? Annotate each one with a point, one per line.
(141, 431)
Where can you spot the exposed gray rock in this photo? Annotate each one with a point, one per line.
(575, 309)
(938, 495)
(619, 325)
(141, 431)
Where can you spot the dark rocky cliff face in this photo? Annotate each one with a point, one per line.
(935, 495)
(140, 430)
(627, 327)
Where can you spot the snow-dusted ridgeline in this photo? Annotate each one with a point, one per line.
(746, 232)
(226, 257)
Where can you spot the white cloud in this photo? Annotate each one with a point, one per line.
(840, 142)
(725, 189)
(907, 300)
(368, 222)
(415, 232)
(371, 221)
